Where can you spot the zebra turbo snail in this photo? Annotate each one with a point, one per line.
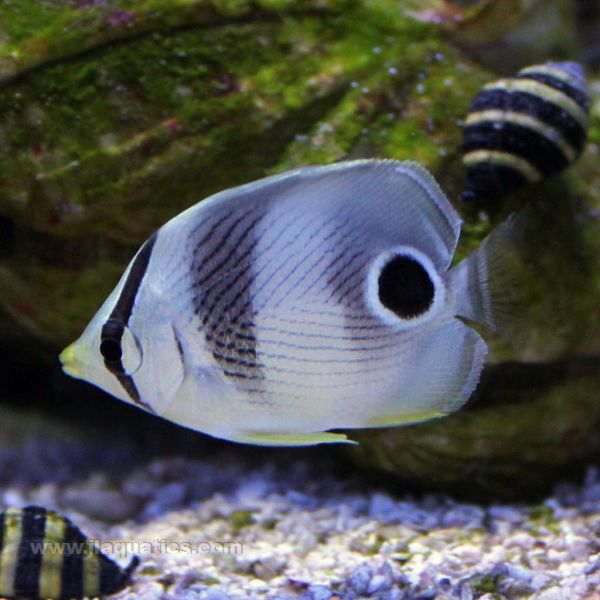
(525, 128)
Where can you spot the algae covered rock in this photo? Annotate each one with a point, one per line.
(115, 119)
(115, 116)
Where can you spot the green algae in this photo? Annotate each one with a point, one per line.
(239, 519)
(40, 33)
(107, 129)
(482, 583)
(23, 18)
(541, 520)
(150, 123)
(269, 524)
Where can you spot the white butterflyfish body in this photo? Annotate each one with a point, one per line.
(317, 299)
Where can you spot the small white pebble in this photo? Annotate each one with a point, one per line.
(257, 585)
(306, 543)
(539, 581)
(521, 540)
(215, 595)
(467, 553)
(466, 593)
(577, 547)
(553, 593)
(519, 573)
(379, 584)
(360, 578)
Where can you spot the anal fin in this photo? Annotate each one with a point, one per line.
(291, 439)
(403, 419)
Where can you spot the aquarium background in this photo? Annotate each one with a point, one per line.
(115, 116)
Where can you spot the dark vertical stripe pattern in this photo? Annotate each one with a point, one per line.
(29, 562)
(72, 566)
(222, 269)
(487, 180)
(112, 577)
(30, 559)
(124, 305)
(113, 329)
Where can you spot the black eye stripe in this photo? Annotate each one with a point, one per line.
(110, 350)
(112, 331)
(110, 345)
(124, 304)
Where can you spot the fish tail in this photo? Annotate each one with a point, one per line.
(492, 285)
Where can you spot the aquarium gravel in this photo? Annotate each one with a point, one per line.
(231, 526)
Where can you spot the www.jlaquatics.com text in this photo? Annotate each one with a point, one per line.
(126, 547)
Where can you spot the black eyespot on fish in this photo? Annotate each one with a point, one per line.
(405, 287)
(525, 128)
(45, 555)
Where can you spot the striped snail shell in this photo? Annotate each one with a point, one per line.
(524, 128)
(45, 555)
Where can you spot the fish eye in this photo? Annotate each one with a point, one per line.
(404, 287)
(110, 349)
(120, 348)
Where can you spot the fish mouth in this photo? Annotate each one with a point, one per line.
(71, 361)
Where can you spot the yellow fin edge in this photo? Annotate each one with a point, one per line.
(395, 421)
(293, 439)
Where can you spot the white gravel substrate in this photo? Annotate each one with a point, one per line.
(301, 532)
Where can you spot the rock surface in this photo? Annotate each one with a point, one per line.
(114, 121)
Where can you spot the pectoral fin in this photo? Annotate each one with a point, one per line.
(292, 439)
